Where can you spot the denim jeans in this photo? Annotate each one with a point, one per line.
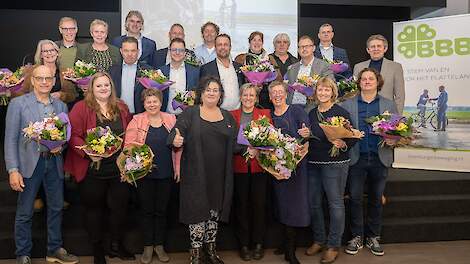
(370, 168)
(441, 118)
(46, 174)
(331, 180)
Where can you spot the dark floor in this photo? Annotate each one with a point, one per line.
(455, 252)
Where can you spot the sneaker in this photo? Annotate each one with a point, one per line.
(61, 256)
(23, 260)
(161, 254)
(354, 245)
(373, 244)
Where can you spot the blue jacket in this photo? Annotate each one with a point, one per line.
(148, 48)
(339, 54)
(159, 57)
(192, 80)
(385, 153)
(116, 74)
(20, 154)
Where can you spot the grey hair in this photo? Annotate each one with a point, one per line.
(281, 36)
(37, 55)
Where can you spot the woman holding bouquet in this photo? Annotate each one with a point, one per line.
(327, 172)
(369, 162)
(251, 182)
(208, 135)
(254, 54)
(152, 128)
(291, 194)
(100, 186)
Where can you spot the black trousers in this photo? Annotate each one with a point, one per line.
(154, 195)
(98, 195)
(250, 207)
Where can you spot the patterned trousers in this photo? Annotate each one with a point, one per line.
(205, 231)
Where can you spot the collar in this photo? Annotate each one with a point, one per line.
(179, 68)
(138, 38)
(51, 99)
(62, 44)
(327, 47)
(359, 99)
(129, 65)
(308, 64)
(219, 62)
(377, 61)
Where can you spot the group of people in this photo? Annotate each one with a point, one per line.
(198, 147)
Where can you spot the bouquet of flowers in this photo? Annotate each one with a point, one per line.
(305, 84)
(135, 162)
(395, 130)
(154, 79)
(183, 100)
(10, 82)
(278, 154)
(337, 66)
(338, 127)
(191, 59)
(347, 88)
(261, 71)
(101, 143)
(80, 73)
(52, 132)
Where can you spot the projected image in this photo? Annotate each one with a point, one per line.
(238, 18)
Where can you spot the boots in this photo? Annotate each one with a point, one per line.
(196, 256)
(290, 246)
(119, 251)
(212, 257)
(98, 253)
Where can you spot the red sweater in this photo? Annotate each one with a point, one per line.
(83, 118)
(239, 163)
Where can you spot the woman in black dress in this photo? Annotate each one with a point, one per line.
(208, 135)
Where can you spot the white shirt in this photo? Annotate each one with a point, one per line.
(178, 75)
(128, 85)
(229, 80)
(297, 97)
(327, 51)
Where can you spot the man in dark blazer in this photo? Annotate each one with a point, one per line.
(162, 56)
(124, 76)
(185, 76)
(147, 47)
(227, 71)
(325, 49)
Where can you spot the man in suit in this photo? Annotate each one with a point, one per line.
(227, 71)
(206, 51)
(309, 66)
(124, 76)
(185, 76)
(134, 24)
(325, 49)
(163, 56)
(392, 72)
(31, 165)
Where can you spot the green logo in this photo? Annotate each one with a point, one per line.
(419, 41)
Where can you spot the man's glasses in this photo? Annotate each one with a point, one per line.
(178, 50)
(68, 29)
(47, 79)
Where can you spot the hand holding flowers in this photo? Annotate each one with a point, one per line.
(337, 128)
(135, 162)
(80, 74)
(51, 132)
(154, 79)
(261, 71)
(395, 130)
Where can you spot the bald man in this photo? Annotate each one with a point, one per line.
(31, 165)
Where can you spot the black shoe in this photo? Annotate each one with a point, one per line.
(98, 253)
(279, 251)
(196, 256)
(117, 250)
(212, 257)
(258, 252)
(245, 253)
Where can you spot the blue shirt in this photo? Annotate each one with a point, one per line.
(156, 140)
(376, 64)
(423, 99)
(45, 110)
(442, 99)
(203, 54)
(370, 142)
(127, 85)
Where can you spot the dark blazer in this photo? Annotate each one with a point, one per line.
(116, 74)
(194, 204)
(148, 48)
(159, 58)
(83, 118)
(339, 54)
(239, 162)
(210, 69)
(192, 80)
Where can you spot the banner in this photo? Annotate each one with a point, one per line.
(435, 55)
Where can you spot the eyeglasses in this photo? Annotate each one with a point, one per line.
(68, 29)
(305, 46)
(47, 79)
(49, 51)
(178, 50)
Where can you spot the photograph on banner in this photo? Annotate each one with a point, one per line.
(435, 55)
(236, 18)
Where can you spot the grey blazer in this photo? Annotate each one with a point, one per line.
(20, 154)
(385, 153)
(319, 67)
(394, 82)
